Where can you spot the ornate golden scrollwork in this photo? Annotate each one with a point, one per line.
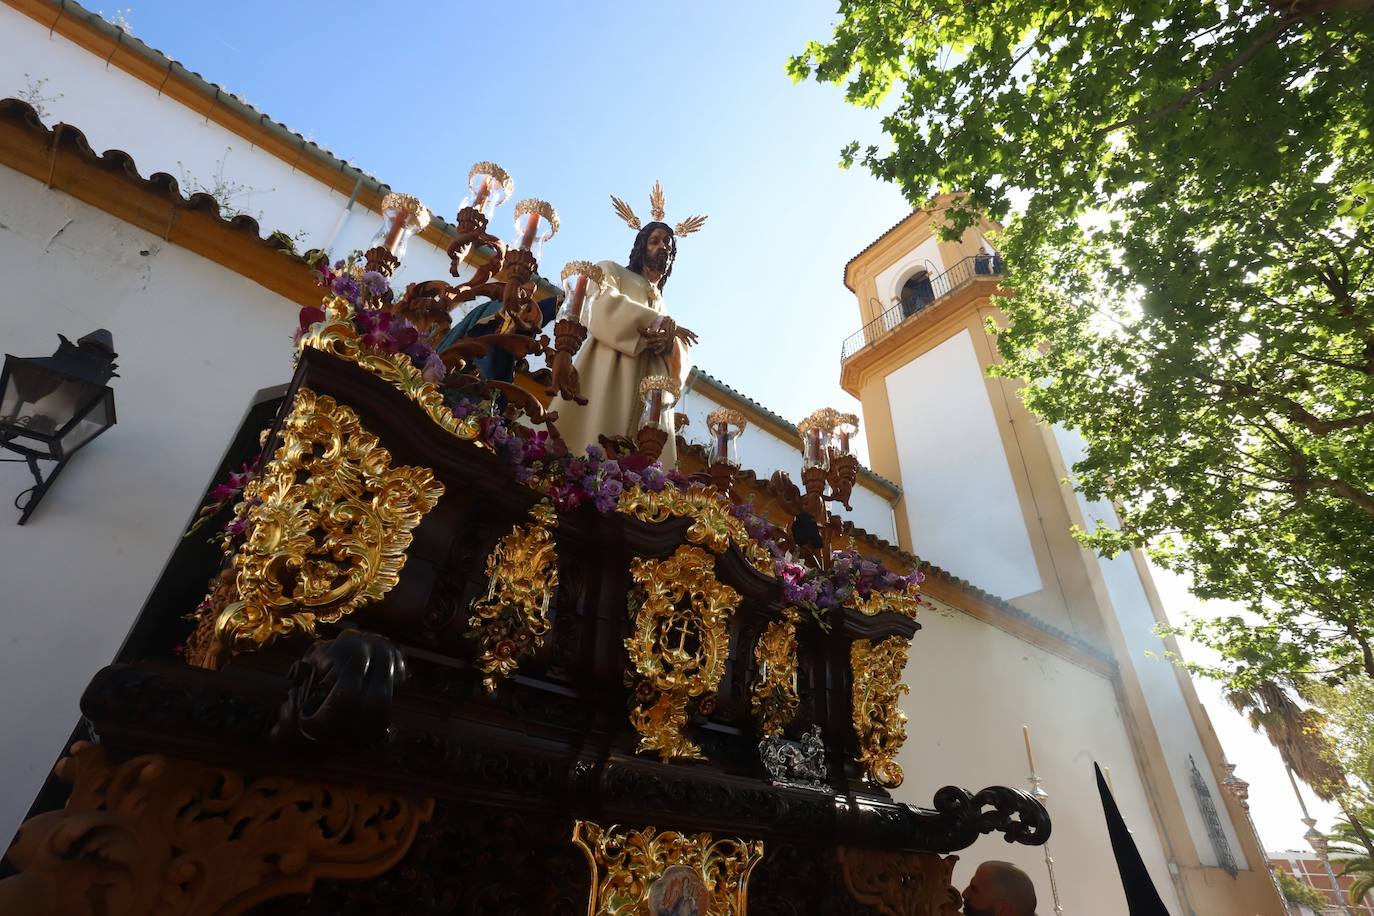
(905, 602)
(713, 525)
(162, 835)
(678, 647)
(625, 864)
(774, 696)
(878, 721)
(522, 575)
(336, 334)
(329, 521)
(901, 883)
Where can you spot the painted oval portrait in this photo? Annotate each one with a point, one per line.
(679, 892)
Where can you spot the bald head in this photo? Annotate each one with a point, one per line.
(999, 889)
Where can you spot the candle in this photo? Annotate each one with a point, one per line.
(482, 191)
(813, 445)
(1030, 757)
(1107, 774)
(578, 294)
(531, 227)
(395, 232)
(655, 405)
(844, 442)
(723, 442)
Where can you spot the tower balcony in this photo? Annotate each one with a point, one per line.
(971, 278)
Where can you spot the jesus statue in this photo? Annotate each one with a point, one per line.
(630, 336)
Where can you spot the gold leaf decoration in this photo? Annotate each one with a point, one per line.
(879, 722)
(626, 863)
(510, 621)
(329, 521)
(657, 203)
(336, 334)
(678, 646)
(905, 602)
(689, 225)
(774, 697)
(625, 212)
(714, 526)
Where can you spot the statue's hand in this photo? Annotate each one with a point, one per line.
(686, 336)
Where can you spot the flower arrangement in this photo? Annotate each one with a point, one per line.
(368, 292)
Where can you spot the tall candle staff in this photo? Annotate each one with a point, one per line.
(580, 279)
(1039, 794)
(659, 393)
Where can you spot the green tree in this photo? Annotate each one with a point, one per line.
(1193, 267)
(1349, 852)
(1295, 891)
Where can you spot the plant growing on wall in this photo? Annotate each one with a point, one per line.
(35, 95)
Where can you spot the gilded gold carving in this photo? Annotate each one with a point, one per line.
(678, 646)
(417, 214)
(774, 696)
(155, 834)
(625, 863)
(905, 602)
(878, 721)
(522, 575)
(901, 883)
(713, 525)
(336, 334)
(329, 521)
(541, 207)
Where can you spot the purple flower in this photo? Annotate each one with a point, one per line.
(631, 479)
(576, 469)
(605, 505)
(434, 369)
(595, 453)
(374, 283)
(611, 488)
(223, 492)
(346, 287)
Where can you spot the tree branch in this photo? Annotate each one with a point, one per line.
(1207, 85)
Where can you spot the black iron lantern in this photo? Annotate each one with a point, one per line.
(50, 406)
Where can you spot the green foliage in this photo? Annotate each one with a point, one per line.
(1350, 852)
(1194, 272)
(1299, 892)
(1349, 710)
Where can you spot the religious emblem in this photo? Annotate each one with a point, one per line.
(679, 892)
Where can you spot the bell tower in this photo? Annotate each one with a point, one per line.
(985, 497)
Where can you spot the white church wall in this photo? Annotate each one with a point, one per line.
(925, 256)
(763, 453)
(1158, 680)
(959, 664)
(961, 504)
(104, 101)
(195, 341)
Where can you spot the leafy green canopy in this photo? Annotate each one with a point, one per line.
(1193, 266)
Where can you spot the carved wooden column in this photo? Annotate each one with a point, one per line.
(155, 834)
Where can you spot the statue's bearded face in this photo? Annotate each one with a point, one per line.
(658, 250)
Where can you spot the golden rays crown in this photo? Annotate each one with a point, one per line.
(656, 211)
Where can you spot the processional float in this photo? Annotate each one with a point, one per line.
(446, 664)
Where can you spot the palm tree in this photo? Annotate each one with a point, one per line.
(1296, 731)
(1348, 851)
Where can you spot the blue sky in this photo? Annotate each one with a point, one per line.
(579, 103)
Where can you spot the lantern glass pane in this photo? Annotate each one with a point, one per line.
(99, 418)
(37, 400)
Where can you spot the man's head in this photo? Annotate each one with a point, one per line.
(999, 889)
(655, 248)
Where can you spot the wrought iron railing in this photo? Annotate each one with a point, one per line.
(963, 272)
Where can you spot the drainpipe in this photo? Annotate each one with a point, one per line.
(343, 217)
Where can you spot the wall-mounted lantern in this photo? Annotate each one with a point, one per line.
(50, 406)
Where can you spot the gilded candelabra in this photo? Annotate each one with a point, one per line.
(829, 471)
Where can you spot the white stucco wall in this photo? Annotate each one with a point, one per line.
(195, 341)
(1168, 707)
(104, 102)
(972, 688)
(961, 503)
(763, 453)
(925, 256)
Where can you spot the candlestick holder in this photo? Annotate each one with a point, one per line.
(725, 425)
(828, 475)
(659, 393)
(580, 278)
(402, 217)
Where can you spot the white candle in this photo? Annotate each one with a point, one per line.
(1030, 757)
